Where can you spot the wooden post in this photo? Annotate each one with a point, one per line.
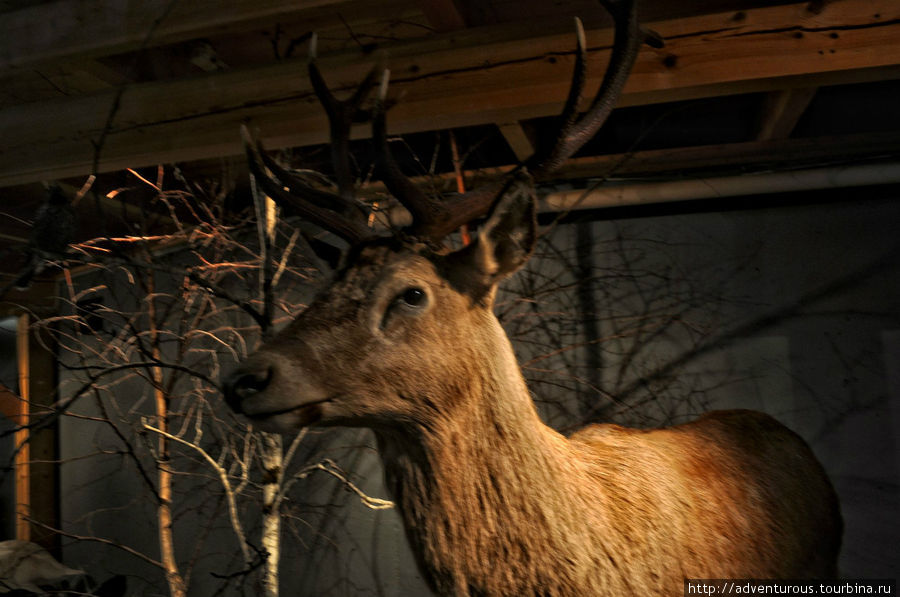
(23, 449)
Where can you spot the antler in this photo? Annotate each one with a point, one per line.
(430, 216)
(434, 218)
(338, 212)
(575, 132)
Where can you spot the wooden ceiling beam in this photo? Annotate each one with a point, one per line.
(471, 77)
(701, 160)
(747, 156)
(65, 30)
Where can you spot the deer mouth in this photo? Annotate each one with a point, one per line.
(290, 418)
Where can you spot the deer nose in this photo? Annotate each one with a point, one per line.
(244, 383)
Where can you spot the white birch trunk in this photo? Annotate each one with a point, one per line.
(273, 467)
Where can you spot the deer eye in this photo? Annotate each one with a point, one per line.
(413, 297)
(409, 302)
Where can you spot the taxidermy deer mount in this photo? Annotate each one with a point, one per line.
(495, 502)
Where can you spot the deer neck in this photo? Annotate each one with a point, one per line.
(484, 485)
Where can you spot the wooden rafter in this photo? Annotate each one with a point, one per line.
(781, 112)
(517, 139)
(445, 81)
(65, 30)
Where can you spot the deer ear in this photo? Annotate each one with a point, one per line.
(504, 242)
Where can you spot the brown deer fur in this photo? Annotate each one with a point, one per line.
(494, 501)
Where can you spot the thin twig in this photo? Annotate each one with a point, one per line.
(327, 465)
(223, 479)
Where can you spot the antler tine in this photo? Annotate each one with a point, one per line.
(576, 132)
(313, 204)
(340, 119)
(426, 212)
(338, 212)
(569, 116)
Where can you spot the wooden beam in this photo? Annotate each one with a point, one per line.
(23, 446)
(77, 29)
(44, 443)
(771, 154)
(781, 112)
(699, 160)
(476, 76)
(35, 474)
(517, 139)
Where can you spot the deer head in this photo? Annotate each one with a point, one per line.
(407, 323)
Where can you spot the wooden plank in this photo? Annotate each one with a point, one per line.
(70, 29)
(476, 76)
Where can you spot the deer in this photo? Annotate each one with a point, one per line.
(494, 502)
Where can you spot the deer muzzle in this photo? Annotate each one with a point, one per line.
(244, 383)
(274, 394)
